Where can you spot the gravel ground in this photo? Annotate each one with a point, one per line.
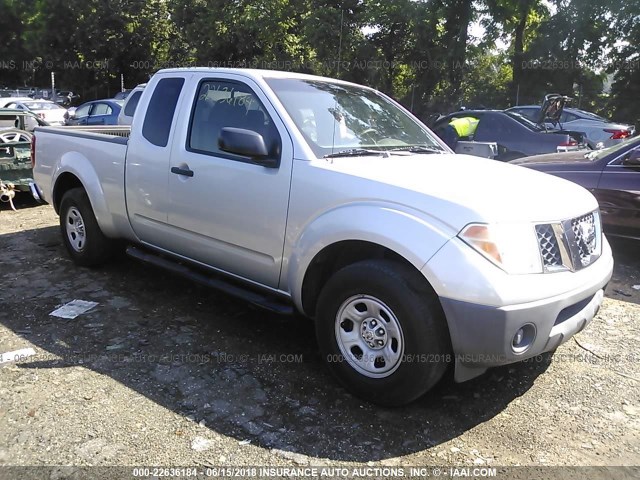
(164, 372)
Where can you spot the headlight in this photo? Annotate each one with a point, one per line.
(512, 247)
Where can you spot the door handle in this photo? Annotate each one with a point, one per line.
(182, 171)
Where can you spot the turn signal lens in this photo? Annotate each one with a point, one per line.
(513, 247)
(480, 238)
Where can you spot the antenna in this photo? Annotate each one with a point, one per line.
(335, 105)
(340, 42)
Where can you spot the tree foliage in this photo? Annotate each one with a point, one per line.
(625, 63)
(420, 51)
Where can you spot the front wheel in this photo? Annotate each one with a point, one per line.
(382, 332)
(82, 237)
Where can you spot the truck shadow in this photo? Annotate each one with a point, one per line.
(20, 201)
(250, 375)
(625, 284)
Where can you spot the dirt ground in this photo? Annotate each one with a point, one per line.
(164, 372)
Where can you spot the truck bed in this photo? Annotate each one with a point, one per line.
(96, 154)
(15, 165)
(97, 132)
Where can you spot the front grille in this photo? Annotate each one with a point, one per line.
(549, 248)
(584, 231)
(570, 245)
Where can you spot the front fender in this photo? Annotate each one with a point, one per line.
(410, 234)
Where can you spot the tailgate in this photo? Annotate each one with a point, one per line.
(15, 164)
(478, 149)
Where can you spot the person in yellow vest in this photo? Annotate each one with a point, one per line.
(465, 127)
(460, 128)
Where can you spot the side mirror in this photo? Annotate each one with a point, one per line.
(633, 158)
(246, 143)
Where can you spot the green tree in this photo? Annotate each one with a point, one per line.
(516, 21)
(14, 24)
(625, 65)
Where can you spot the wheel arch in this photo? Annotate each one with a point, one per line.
(65, 182)
(338, 255)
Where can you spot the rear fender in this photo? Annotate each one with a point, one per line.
(80, 166)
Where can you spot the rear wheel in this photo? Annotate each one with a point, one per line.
(381, 330)
(81, 234)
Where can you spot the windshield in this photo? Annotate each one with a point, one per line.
(591, 115)
(525, 121)
(335, 117)
(42, 106)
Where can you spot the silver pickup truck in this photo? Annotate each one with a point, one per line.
(305, 193)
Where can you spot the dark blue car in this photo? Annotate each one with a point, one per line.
(97, 112)
(515, 135)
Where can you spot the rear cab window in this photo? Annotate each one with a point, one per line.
(161, 110)
(132, 103)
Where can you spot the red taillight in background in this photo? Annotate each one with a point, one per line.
(33, 152)
(572, 142)
(618, 134)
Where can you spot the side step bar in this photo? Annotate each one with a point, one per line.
(267, 302)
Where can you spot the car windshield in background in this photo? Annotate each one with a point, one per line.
(42, 106)
(337, 118)
(525, 121)
(591, 116)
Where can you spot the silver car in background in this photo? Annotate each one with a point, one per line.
(50, 112)
(599, 132)
(125, 117)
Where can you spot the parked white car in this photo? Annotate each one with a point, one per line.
(301, 192)
(4, 101)
(50, 112)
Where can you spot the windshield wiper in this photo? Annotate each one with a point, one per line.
(356, 152)
(417, 149)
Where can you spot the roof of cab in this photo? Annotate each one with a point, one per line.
(256, 73)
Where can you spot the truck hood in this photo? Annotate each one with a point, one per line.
(461, 189)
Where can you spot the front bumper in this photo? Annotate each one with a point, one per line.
(482, 334)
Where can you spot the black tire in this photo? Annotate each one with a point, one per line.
(424, 333)
(91, 249)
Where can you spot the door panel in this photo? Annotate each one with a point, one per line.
(81, 115)
(99, 113)
(618, 194)
(148, 159)
(231, 213)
